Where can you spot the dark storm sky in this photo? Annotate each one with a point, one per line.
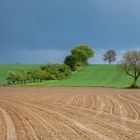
(41, 31)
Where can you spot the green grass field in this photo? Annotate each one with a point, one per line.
(5, 68)
(94, 75)
(91, 75)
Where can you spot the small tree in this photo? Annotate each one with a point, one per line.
(130, 64)
(13, 77)
(29, 76)
(34, 75)
(23, 76)
(110, 56)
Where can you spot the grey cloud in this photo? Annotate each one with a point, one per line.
(32, 26)
(33, 57)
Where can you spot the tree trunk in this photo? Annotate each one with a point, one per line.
(134, 85)
(109, 61)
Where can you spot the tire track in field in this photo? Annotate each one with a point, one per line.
(79, 124)
(26, 123)
(85, 109)
(123, 113)
(73, 121)
(58, 118)
(134, 98)
(95, 132)
(92, 103)
(44, 123)
(114, 116)
(108, 105)
(113, 125)
(112, 106)
(108, 125)
(102, 105)
(88, 101)
(11, 132)
(2, 127)
(135, 112)
(23, 122)
(78, 118)
(129, 114)
(70, 100)
(132, 104)
(36, 110)
(101, 125)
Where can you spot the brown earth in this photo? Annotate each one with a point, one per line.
(58, 113)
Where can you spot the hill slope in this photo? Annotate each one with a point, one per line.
(5, 68)
(91, 75)
(94, 75)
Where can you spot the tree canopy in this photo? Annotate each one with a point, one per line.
(110, 56)
(130, 64)
(79, 56)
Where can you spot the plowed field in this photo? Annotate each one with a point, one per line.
(55, 113)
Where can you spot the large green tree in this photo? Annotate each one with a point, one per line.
(83, 52)
(79, 56)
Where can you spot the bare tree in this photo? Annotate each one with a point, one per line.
(110, 56)
(130, 64)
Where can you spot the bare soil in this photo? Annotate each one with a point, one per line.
(69, 113)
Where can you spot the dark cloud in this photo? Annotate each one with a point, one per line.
(31, 26)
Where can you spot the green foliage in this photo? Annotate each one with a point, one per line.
(56, 71)
(84, 51)
(13, 77)
(45, 72)
(110, 56)
(17, 76)
(71, 61)
(79, 56)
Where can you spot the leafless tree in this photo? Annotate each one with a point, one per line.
(130, 64)
(110, 56)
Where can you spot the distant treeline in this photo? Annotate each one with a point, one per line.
(45, 72)
(78, 58)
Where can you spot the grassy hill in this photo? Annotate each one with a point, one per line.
(94, 75)
(91, 75)
(5, 68)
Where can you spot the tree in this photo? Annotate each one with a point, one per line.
(29, 76)
(82, 53)
(71, 61)
(13, 77)
(23, 76)
(110, 56)
(63, 71)
(34, 75)
(79, 56)
(130, 64)
(55, 71)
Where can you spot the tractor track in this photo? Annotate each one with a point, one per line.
(69, 114)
